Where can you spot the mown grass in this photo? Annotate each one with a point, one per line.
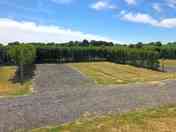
(10, 88)
(161, 119)
(168, 63)
(111, 73)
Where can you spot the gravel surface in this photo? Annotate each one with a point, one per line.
(63, 95)
(170, 69)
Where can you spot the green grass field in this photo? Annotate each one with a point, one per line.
(10, 88)
(161, 119)
(111, 73)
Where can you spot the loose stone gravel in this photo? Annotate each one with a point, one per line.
(63, 95)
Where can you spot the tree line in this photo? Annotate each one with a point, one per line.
(122, 55)
(59, 53)
(94, 49)
(140, 55)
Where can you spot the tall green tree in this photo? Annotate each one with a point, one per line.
(22, 54)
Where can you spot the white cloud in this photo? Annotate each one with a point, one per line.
(168, 23)
(147, 19)
(157, 7)
(139, 18)
(171, 3)
(131, 2)
(102, 5)
(11, 30)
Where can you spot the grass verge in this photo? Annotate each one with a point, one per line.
(161, 119)
(111, 73)
(10, 88)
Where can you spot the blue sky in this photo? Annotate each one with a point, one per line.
(109, 20)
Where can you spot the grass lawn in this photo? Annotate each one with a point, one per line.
(111, 73)
(169, 63)
(162, 119)
(10, 88)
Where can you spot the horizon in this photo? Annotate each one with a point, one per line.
(67, 42)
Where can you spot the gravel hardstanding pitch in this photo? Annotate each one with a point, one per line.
(63, 95)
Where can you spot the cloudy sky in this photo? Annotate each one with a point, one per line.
(109, 20)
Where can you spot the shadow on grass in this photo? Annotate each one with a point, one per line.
(29, 72)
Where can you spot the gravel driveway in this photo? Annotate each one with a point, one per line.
(63, 95)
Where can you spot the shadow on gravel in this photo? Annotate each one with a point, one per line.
(29, 72)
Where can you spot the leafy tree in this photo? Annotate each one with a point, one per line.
(85, 43)
(139, 45)
(158, 43)
(22, 54)
(14, 43)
